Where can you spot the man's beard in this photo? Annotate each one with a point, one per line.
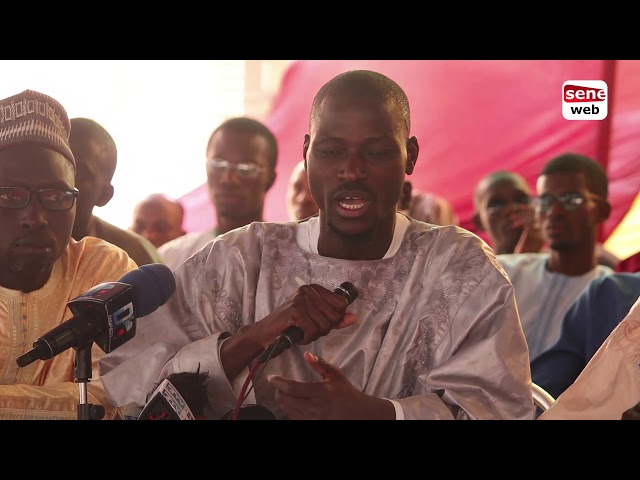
(19, 266)
(561, 246)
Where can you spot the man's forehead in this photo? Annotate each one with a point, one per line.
(32, 158)
(561, 180)
(504, 184)
(347, 108)
(230, 142)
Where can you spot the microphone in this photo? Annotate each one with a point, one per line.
(166, 403)
(191, 387)
(294, 334)
(107, 313)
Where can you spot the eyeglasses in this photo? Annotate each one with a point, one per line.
(498, 206)
(217, 166)
(569, 201)
(50, 198)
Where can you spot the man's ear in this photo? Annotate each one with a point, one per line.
(105, 197)
(412, 155)
(477, 222)
(305, 148)
(271, 179)
(604, 210)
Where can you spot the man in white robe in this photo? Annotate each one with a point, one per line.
(434, 332)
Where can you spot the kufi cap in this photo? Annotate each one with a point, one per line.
(33, 117)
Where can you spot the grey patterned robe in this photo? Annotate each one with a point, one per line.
(437, 330)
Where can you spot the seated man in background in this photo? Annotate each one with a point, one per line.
(570, 207)
(425, 206)
(433, 332)
(96, 156)
(41, 266)
(158, 218)
(504, 210)
(590, 320)
(241, 168)
(300, 203)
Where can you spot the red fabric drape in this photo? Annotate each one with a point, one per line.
(471, 117)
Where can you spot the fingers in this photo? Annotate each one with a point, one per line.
(347, 320)
(309, 400)
(322, 311)
(289, 387)
(312, 308)
(337, 301)
(293, 397)
(297, 407)
(326, 370)
(522, 217)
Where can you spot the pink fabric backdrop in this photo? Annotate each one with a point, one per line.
(471, 117)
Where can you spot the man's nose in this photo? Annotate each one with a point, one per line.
(555, 208)
(230, 175)
(33, 215)
(354, 167)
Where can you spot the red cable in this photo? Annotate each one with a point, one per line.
(252, 372)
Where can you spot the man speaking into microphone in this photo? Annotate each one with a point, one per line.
(426, 327)
(41, 267)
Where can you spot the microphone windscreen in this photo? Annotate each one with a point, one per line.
(166, 403)
(153, 285)
(193, 388)
(348, 290)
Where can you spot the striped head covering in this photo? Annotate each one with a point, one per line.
(33, 117)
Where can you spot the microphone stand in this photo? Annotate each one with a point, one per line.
(86, 411)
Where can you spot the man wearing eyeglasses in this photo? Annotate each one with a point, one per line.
(504, 211)
(41, 266)
(570, 206)
(241, 168)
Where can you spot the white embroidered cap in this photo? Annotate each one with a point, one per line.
(33, 117)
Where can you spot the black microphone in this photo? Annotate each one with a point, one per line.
(294, 334)
(107, 313)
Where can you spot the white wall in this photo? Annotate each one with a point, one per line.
(159, 112)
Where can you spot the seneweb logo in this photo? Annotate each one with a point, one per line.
(585, 100)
